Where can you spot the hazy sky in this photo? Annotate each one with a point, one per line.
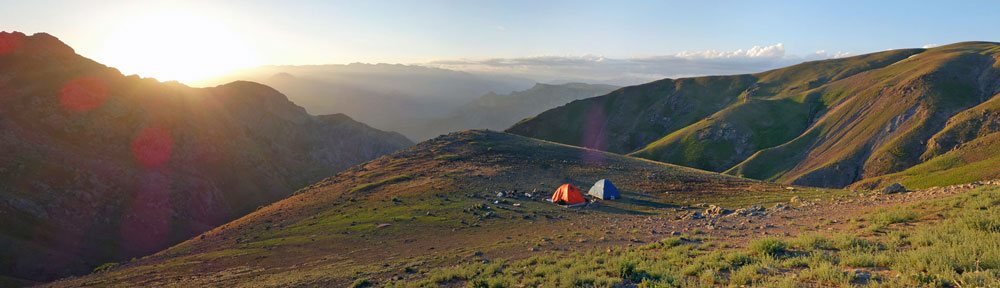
(324, 31)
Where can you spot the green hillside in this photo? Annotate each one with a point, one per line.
(823, 123)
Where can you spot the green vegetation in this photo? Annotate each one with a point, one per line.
(447, 157)
(821, 123)
(105, 267)
(380, 183)
(769, 247)
(976, 160)
(962, 249)
(361, 283)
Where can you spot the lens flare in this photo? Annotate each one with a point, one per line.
(83, 94)
(594, 136)
(9, 42)
(152, 147)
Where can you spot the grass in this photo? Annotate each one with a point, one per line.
(895, 216)
(771, 247)
(973, 161)
(961, 249)
(448, 157)
(380, 183)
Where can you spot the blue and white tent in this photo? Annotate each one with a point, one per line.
(604, 189)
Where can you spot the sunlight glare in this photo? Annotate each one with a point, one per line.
(176, 45)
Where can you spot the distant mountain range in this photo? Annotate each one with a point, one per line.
(387, 96)
(99, 167)
(497, 112)
(919, 116)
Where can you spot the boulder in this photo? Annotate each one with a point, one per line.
(894, 188)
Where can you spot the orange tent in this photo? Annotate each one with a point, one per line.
(567, 194)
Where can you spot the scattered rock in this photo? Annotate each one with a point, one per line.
(795, 199)
(715, 211)
(755, 210)
(862, 276)
(693, 216)
(383, 225)
(780, 207)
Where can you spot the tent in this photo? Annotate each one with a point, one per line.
(604, 189)
(567, 194)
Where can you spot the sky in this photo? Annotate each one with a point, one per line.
(199, 38)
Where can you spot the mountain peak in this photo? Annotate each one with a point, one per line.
(39, 43)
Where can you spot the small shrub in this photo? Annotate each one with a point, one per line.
(747, 275)
(986, 222)
(894, 216)
(105, 267)
(828, 274)
(626, 269)
(772, 247)
(740, 259)
(814, 241)
(360, 283)
(859, 260)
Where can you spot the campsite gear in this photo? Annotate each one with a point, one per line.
(604, 189)
(567, 194)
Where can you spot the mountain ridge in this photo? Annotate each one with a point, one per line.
(107, 166)
(733, 123)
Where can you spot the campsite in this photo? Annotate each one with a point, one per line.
(416, 192)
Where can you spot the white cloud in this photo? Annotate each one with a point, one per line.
(928, 46)
(630, 71)
(823, 54)
(772, 51)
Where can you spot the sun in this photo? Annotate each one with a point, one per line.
(176, 45)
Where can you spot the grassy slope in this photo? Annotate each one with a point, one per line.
(779, 107)
(631, 117)
(823, 123)
(731, 135)
(438, 199)
(976, 160)
(918, 245)
(880, 126)
(662, 120)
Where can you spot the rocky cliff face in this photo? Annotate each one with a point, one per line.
(98, 167)
(824, 123)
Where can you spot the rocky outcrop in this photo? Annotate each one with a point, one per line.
(99, 167)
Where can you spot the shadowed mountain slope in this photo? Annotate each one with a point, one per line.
(823, 123)
(99, 167)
